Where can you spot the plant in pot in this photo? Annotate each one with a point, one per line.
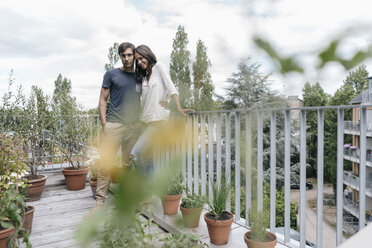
(72, 134)
(218, 219)
(191, 208)
(258, 236)
(172, 197)
(36, 119)
(12, 204)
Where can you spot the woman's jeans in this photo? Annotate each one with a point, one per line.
(142, 152)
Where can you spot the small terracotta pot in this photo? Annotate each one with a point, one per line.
(255, 244)
(93, 186)
(35, 188)
(219, 230)
(27, 221)
(191, 216)
(170, 204)
(4, 235)
(75, 179)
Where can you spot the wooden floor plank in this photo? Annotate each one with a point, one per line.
(59, 212)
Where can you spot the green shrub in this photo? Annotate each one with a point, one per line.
(193, 201)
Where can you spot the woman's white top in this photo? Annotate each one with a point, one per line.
(157, 89)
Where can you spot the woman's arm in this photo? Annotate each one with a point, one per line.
(180, 110)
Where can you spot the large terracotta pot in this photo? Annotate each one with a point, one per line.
(36, 187)
(219, 230)
(4, 235)
(255, 244)
(29, 216)
(75, 179)
(170, 204)
(191, 216)
(93, 186)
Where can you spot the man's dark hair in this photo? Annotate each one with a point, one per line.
(123, 46)
(145, 52)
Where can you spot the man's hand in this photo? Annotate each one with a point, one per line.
(103, 123)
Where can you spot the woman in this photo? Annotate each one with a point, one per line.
(156, 86)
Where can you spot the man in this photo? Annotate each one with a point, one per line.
(121, 122)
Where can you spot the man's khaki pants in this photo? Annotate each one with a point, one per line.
(115, 134)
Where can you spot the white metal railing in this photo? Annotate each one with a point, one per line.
(219, 140)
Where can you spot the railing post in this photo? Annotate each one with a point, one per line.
(272, 172)
(203, 157)
(340, 168)
(183, 155)
(259, 161)
(362, 167)
(196, 155)
(228, 156)
(302, 178)
(320, 173)
(248, 165)
(189, 152)
(210, 155)
(237, 166)
(287, 174)
(218, 148)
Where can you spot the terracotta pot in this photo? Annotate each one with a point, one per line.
(93, 186)
(219, 230)
(255, 244)
(4, 234)
(29, 216)
(170, 204)
(191, 216)
(75, 179)
(35, 188)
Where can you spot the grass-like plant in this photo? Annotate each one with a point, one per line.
(218, 204)
(258, 222)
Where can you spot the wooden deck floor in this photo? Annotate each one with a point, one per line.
(58, 213)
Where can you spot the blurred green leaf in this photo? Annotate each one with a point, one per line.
(286, 64)
(329, 54)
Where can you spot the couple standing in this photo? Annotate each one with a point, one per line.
(137, 94)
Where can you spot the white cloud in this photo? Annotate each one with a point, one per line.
(40, 39)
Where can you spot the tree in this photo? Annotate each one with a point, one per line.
(112, 56)
(357, 79)
(62, 87)
(248, 87)
(203, 87)
(179, 66)
(313, 95)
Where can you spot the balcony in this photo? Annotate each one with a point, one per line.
(352, 180)
(352, 153)
(240, 145)
(353, 128)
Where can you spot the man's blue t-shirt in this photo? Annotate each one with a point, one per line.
(124, 99)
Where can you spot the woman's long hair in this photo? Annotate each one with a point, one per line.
(145, 52)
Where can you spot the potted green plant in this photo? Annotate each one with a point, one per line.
(72, 134)
(12, 204)
(218, 219)
(191, 208)
(258, 236)
(33, 123)
(172, 197)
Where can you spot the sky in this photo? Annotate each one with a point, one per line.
(40, 39)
